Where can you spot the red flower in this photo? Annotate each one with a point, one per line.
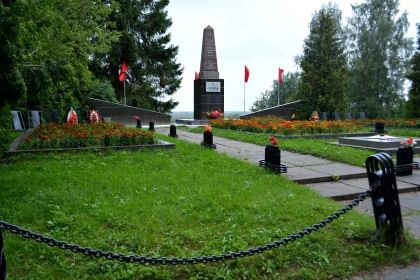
(207, 128)
(273, 140)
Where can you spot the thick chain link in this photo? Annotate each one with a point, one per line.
(176, 261)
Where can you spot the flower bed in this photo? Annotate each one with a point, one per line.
(281, 127)
(53, 136)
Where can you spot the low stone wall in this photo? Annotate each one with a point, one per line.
(111, 111)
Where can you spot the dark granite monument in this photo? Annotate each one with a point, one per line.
(208, 88)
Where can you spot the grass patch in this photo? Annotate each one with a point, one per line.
(184, 202)
(316, 147)
(6, 138)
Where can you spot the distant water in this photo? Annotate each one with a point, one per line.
(190, 115)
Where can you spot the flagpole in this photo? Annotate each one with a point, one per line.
(244, 97)
(125, 97)
(278, 93)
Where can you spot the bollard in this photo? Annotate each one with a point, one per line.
(208, 140)
(151, 126)
(380, 127)
(138, 123)
(172, 131)
(404, 161)
(385, 201)
(2, 259)
(272, 160)
(272, 155)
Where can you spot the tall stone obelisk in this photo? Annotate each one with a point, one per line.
(208, 88)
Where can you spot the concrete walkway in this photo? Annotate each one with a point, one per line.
(331, 179)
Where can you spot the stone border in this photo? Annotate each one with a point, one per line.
(390, 151)
(15, 144)
(326, 136)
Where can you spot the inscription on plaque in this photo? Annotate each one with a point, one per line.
(212, 86)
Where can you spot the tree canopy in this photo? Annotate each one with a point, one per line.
(413, 103)
(379, 57)
(55, 53)
(145, 46)
(324, 75)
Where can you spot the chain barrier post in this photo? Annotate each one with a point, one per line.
(172, 131)
(151, 126)
(272, 160)
(2, 259)
(385, 200)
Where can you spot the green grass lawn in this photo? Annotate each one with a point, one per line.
(189, 201)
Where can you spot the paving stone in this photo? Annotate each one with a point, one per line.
(301, 173)
(411, 201)
(338, 169)
(364, 184)
(412, 179)
(301, 160)
(333, 189)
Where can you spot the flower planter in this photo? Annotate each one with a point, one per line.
(404, 165)
(272, 159)
(208, 140)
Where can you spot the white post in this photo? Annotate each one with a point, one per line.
(244, 97)
(125, 97)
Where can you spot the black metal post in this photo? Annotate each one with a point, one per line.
(385, 200)
(151, 126)
(272, 160)
(3, 272)
(138, 125)
(380, 127)
(404, 161)
(272, 155)
(208, 140)
(172, 131)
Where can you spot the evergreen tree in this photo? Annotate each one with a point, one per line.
(324, 76)
(413, 103)
(47, 48)
(285, 93)
(145, 47)
(379, 55)
(12, 85)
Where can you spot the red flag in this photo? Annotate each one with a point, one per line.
(280, 81)
(246, 74)
(197, 76)
(123, 70)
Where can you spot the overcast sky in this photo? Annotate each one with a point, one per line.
(263, 35)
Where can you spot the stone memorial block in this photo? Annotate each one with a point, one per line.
(208, 88)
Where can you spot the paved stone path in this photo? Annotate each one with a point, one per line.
(335, 180)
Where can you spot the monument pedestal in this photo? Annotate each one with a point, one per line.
(208, 96)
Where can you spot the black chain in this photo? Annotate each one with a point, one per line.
(175, 261)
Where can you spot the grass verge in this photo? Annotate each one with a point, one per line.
(184, 202)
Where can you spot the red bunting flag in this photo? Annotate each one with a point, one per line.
(280, 81)
(197, 76)
(246, 74)
(123, 71)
